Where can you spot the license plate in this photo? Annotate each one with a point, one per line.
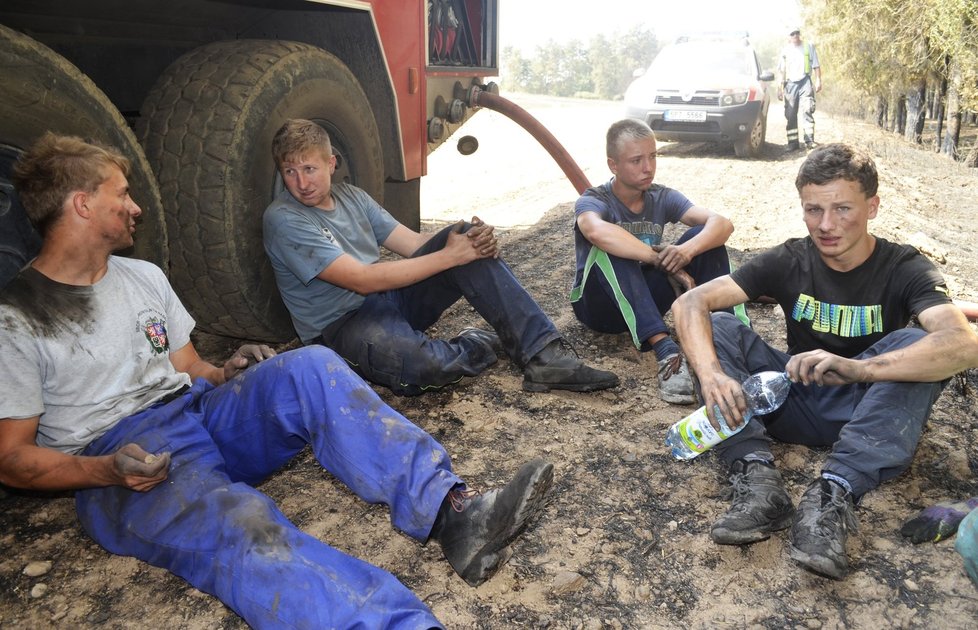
(684, 115)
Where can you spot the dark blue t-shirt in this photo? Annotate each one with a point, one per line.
(662, 205)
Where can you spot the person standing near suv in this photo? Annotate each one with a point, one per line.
(796, 64)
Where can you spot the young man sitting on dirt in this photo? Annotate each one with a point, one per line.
(623, 271)
(103, 393)
(848, 298)
(324, 238)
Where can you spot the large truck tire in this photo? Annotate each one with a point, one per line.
(207, 129)
(41, 91)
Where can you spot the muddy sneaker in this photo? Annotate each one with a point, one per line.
(821, 528)
(675, 383)
(759, 505)
(557, 366)
(475, 530)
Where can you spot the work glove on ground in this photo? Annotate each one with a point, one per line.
(938, 522)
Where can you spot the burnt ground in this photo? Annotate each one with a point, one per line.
(623, 541)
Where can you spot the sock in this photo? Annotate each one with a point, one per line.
(665, 348)
(839, 480)
(765, 458)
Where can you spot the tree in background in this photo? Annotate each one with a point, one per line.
(899, 56)
(601, 69)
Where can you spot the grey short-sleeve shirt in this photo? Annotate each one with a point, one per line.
(301, 241)
(84, 357)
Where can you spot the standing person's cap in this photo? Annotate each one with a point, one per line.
(794, 31)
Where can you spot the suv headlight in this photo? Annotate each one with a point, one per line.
(736, 97)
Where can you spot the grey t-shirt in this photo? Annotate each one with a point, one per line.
(301, 241)
(84, 357)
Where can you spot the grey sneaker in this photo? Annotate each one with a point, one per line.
(557, 366)
(821, 528)
(759, 505)
(475, 530)
(675, 383)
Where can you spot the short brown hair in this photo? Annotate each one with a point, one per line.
(627, 129)
(830, 162)
(56, 166)
(298, 138)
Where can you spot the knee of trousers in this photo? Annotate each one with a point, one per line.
(725, 324)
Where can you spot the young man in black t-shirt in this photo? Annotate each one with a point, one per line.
(863, 381)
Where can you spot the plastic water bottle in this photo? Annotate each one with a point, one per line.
(693, 435)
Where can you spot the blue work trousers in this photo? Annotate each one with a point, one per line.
(208, 525)
(634, 297)
(873, 428)
(385, 341)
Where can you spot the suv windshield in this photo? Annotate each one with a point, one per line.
(702, 59)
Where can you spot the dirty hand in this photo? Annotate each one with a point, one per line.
(725, 394)
(138, 470)
(937, 522)
(244, 357)
(482, 238)
(673, 259)
(824, 368)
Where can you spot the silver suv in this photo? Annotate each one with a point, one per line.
(707, 88)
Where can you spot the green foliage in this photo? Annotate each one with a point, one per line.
(603, 68)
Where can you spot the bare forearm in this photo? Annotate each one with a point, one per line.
(383, 276)
(939, 355)
(37, 468)
(622, 244)
(715, 233)
(695, 331)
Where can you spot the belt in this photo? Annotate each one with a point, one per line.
(172, 395)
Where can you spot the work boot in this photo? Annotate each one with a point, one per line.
(759, 505)
(557, 366)
(475, 530)
(675, 382)
(487, 338)
(822, 523)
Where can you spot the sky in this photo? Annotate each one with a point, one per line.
(526, 24)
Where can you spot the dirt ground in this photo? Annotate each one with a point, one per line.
(624, 540)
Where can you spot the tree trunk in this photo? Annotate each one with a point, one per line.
(900, 117)
(939, 99)
(882, 111)
(916, 112)
(949, 146)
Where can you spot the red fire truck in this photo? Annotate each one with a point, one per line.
(192, 92)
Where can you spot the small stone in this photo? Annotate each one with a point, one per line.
(643, 593)
(582, 531)
(567, 582)
(630, 456)
(910, 585)
(814, 624)
(672, 526)
(37, 568)
(39, 590)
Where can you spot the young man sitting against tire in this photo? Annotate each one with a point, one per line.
(324, 238)
(102, 392)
